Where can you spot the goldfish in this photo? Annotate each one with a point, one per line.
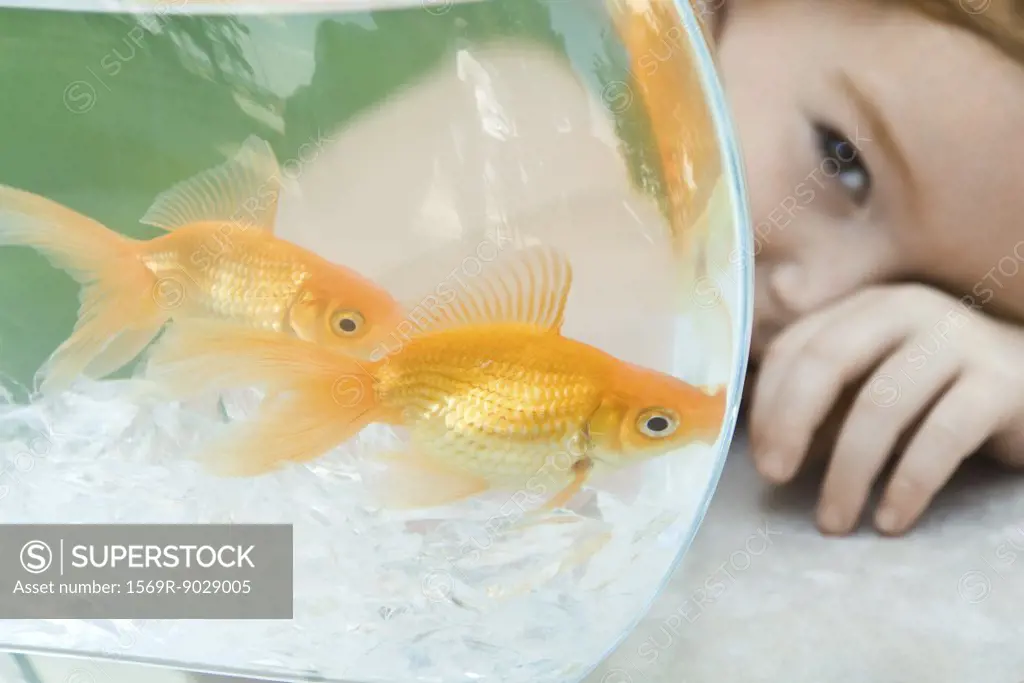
(218, 258)
(700, 204)
(668, 79)
(489, 390)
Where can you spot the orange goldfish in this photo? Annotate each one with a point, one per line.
(490, 391)
(668, 78)
(218, 259)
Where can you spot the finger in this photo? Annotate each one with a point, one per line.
(887, 404)
(788, 347)
(775, 367)
(900, 306)
(962, 420)
(817, 366)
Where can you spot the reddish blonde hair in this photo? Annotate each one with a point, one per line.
(999, 22)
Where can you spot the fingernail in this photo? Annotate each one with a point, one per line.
(774, 466)
(887, 520)
(830, 520)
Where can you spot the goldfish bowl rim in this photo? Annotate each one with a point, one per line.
(734, 175)
(219, 7)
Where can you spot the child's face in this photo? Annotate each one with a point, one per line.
(935, 191)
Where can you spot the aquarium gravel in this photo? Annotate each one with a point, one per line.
(463, 593)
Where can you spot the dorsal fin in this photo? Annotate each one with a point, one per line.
(244, 189)
(529, 286)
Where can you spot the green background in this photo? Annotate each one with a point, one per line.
(101, 112)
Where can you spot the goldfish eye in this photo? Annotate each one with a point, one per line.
(347, 323)
(657, 423)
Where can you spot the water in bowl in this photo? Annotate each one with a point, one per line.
(415, 141)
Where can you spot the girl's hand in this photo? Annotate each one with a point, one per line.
(923, 360)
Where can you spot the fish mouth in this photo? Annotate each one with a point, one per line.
(710, 437)
(711, 423)
(374, 346)
(382, 342)
(711, 434)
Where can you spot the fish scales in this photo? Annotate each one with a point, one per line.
(237, 276)
(481, 404)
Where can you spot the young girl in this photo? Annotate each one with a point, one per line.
(884, 157)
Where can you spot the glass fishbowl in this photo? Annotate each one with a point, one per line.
(414, 145)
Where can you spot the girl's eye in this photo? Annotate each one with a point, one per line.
(843, 161)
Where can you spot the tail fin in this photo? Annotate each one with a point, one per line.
(316, 398)
(118, 313)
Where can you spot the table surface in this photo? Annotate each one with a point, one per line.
(763, 596)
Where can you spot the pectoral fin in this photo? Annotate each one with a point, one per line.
(580, 471)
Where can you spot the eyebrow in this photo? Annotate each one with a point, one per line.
(879, 128)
